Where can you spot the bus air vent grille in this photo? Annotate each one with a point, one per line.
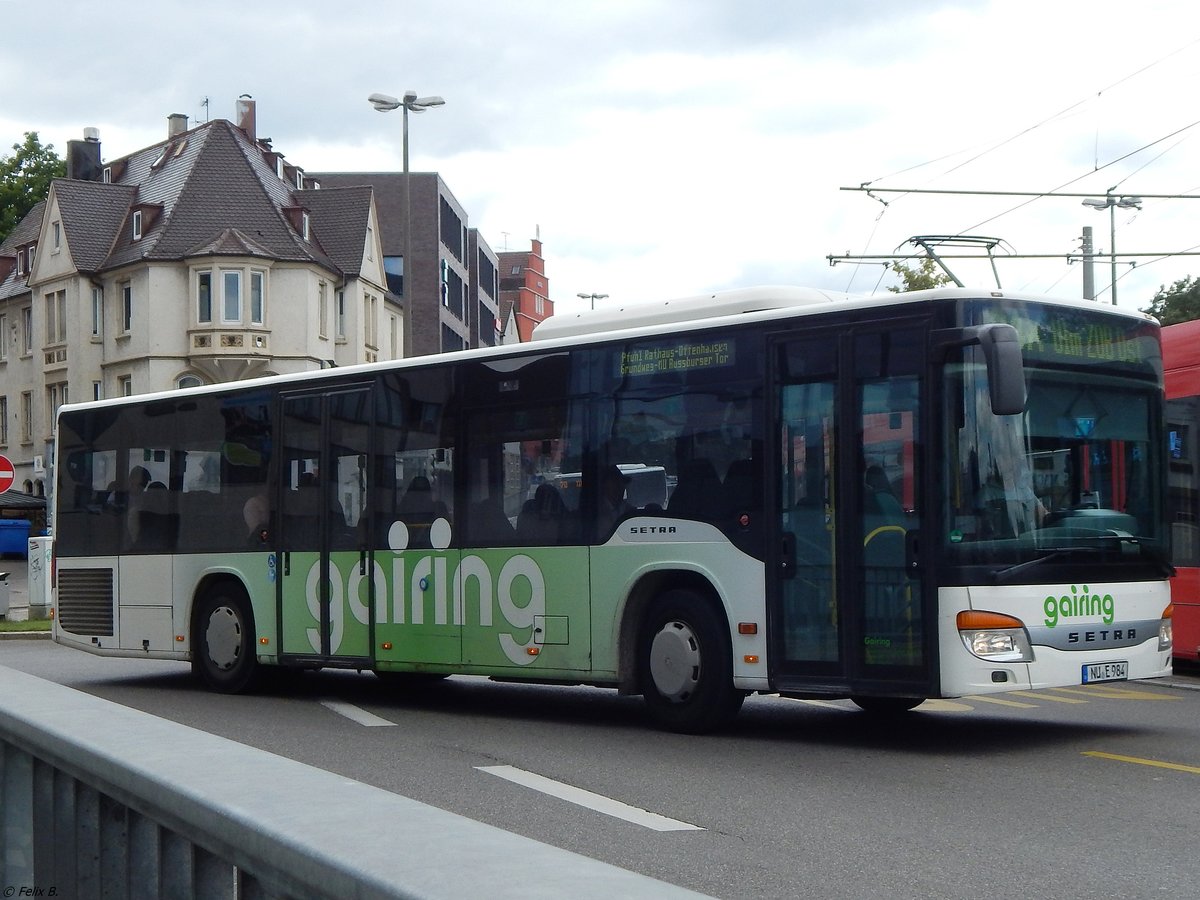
(85, 601)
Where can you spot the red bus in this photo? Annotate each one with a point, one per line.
(1181, 362)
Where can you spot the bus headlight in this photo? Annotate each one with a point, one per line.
(1165, 632)
(994, 637)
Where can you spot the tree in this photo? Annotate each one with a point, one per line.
(923, 277)
(1179, 303)
(25, 179)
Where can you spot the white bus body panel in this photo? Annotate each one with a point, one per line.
(1136, 607)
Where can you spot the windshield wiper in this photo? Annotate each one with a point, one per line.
(1129, 545)
(1002, 575)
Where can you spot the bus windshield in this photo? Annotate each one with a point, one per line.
(1076, 477)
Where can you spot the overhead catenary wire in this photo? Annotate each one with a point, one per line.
(871, 186)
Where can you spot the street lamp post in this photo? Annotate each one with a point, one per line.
(592, 297)
(1111, 202)
(410, 102)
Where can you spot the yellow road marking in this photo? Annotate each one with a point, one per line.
(1042, 695)
(1157, 763)
(1000, 701)
(1116, 693)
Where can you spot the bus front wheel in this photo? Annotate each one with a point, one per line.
(685, 665)
(223, 652)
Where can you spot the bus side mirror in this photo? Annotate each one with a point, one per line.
(1005, 368)
(1001, 354)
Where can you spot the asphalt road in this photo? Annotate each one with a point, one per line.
(1078, 792)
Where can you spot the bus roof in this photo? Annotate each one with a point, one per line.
(632, 320)
(684, 309)
(745, 301)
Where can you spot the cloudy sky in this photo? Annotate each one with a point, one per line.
(664, 148)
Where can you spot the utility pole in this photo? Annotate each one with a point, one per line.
(1089, 276)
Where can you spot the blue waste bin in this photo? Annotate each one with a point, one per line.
(14, 536)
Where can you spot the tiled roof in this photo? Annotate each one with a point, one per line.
(389, 201)
(208, 190)
(217, 188)
(92, 214)
(26, 231)
(340, 217)
(230, 242)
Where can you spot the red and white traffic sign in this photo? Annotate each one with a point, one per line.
(7, 474)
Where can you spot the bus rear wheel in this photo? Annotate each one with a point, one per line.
(887, 705)
(685, 665)
(223, 652)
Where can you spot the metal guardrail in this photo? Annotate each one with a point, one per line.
(99, 800)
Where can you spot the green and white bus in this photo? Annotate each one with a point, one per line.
(775, 490)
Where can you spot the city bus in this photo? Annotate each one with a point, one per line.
(777, 490)
(1181, 376)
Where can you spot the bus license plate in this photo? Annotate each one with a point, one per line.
(1109, 671)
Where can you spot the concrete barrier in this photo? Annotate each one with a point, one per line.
(97, 799)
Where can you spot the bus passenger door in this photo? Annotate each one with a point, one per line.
(326, 592)
(847, 605)
(808, 621)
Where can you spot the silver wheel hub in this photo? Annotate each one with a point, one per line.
(223, 638)
(675, 661)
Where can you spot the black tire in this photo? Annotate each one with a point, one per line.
(223, 648)
(888, 706)
(685, 667)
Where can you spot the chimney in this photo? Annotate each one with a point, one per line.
(245, 116)
(83, 157)
(176, 125)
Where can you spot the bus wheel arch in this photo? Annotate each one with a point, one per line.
(633, 616)
(223, 636)
(685, 660)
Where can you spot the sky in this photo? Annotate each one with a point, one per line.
(667, 148)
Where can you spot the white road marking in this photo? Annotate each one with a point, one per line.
(354, 714)
(587, 799)
(936, 704)
(827, 704)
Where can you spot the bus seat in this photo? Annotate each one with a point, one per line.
(418, 510)
(488, 525)
(541, 517)
(742, 486)
(697, 495)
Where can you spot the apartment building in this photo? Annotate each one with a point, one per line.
(455, 287)
(207, 257)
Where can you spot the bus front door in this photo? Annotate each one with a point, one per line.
(325, 594)
(847, 611)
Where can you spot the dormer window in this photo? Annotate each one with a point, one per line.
(304, 225)
(279, 166)
(108, 174)
(21, 261)
(299, 180)
(32, 250)
(137, 224)
(162, 157)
